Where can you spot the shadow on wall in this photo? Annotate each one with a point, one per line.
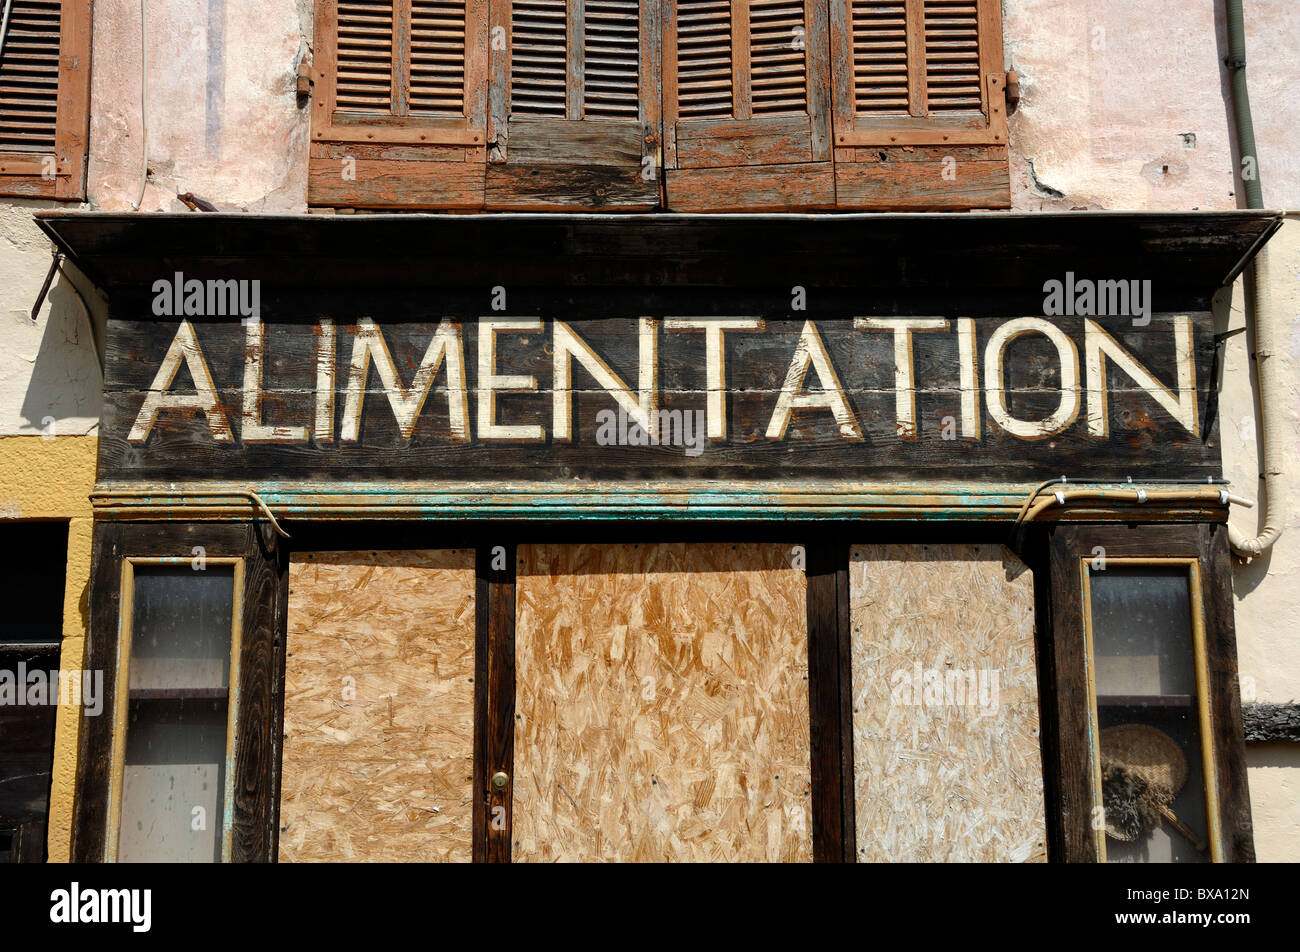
(1246, 576)
(1273, 755)
(66, 381)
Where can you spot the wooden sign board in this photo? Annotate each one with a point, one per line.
(592, 384)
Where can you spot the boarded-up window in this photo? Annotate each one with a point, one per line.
(44, 99)
(379, 707)
(946, 762)
(746, 105)
(920, 108)
(661, 704)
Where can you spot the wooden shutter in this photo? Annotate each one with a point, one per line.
(918, 83)
(44, 99)
(400, 105)
(574, 121)
(746, 105)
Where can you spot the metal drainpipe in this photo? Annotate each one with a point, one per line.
(1262, 317)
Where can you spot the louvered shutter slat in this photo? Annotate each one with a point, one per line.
(611, 59)
(437, 60)
(539, 58)
(29, 77)
(952, 58)
(365, 56)
(704, 59)
(880, 77)
(778, 34)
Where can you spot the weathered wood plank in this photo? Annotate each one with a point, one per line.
(938, 186)
(562, 143)
(703, 143)
(809, 185)
(391, 184)
(569, 187)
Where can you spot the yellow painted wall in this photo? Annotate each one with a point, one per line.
(51, 478)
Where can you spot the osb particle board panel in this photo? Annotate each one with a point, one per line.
(379, 707)
(941, 772)
(662, 704)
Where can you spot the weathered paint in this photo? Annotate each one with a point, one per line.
(51, 478)
(801, 500)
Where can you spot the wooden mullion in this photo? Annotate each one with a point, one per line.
(482, 704)
(401, 83)
(917, 93)
(670, 109)
(260, 705)
(827, 568)
(990, 51)
(576, 88)
(848, 786)
(742, 92)
(477, 40)
(281, 622)
(651, 81)
(72, 118)
(840, 27)
(494, 702)
(1228, 735)
(325, 58)
(498, 125)
(817, 78)
(1035, 553)
(1073, 742)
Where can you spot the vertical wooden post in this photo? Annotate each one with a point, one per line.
(494, 701)
(829, 687)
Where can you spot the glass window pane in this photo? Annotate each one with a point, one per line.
(181, 627)
(1153, 791)
(174, 780)
(173, 777)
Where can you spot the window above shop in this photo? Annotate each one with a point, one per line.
(697, 105)
(44, 98)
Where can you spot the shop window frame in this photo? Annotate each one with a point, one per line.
(1071, 754)
(253, 766)
(125, 641)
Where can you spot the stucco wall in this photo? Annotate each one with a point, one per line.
(49, 374)
(223, 113)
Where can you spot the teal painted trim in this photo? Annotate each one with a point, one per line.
(639, 502)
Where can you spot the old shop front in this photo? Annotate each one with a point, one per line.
(662, 537)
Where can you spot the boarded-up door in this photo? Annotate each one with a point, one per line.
(379, 707)
(661, 704)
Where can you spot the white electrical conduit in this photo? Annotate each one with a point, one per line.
(1270, 437)
(144, 115)
(245, 494)
(1060, 497)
